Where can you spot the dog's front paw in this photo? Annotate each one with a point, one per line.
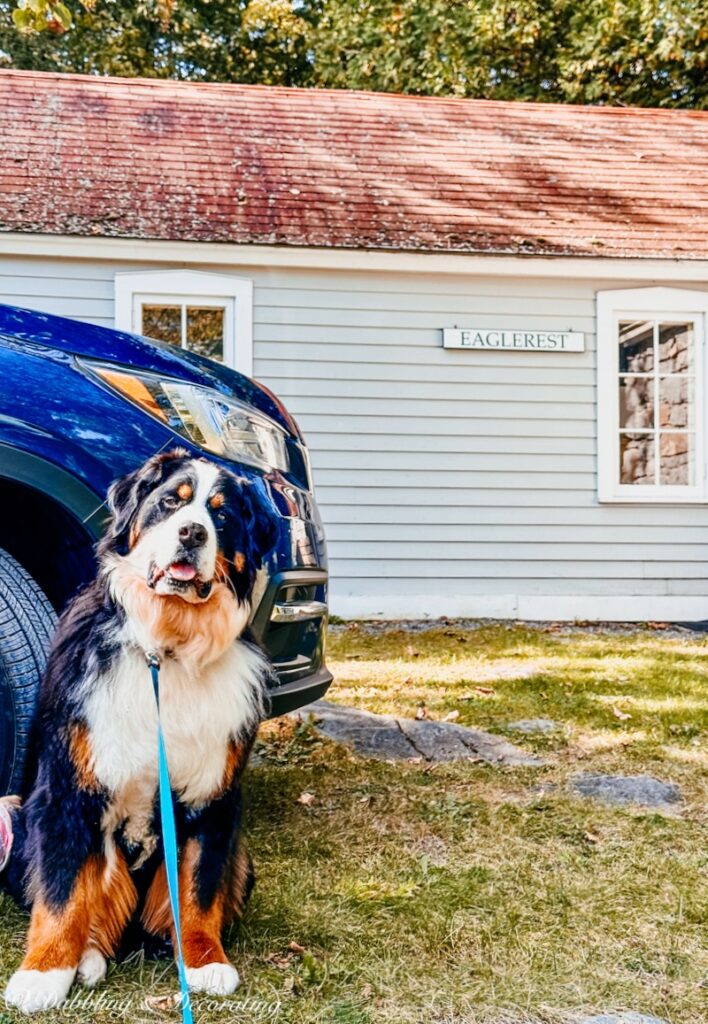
(31, 991)
(92, 968)
(214, 979)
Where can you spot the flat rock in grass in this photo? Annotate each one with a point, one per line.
(387, 737)
(622, 1017)
(445, 741)
(534, 725)
(627, 789)
(369, 734)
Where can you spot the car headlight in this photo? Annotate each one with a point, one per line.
(215, 422)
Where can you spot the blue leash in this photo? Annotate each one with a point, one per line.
(169, 841)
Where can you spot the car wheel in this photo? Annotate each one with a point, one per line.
(27, 622)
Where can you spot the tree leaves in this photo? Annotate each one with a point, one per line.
(32, 16)
(638, 52)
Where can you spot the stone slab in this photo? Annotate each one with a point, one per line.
(388, 737)
(626, 789)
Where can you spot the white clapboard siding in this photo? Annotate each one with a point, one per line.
(431, 590)
(421, 390)
(694, 537)
(345, 442)
(412, 339)
(391, 408)
(443, 364)
(461, 377)
(576, 518)
(450, 482)
(448, 428)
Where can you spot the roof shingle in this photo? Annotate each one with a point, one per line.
(137, 158)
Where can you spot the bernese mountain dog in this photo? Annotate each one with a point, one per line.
(177, 568)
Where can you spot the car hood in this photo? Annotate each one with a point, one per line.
(108, 345)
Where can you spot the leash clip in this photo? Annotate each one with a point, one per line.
(153, 659)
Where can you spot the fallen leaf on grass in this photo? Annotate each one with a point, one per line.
(163, 1004)
(295, 947)
(622, 715)
(280, 960)
(422, 713)
(451, 716)
(657, 625)
(307, 799)
(591, 837)
(479, 691)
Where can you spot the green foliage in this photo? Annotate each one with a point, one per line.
(42, 16)
(256, 41)
(638, 52)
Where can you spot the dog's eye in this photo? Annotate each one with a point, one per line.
(220, 517)
(171, 501)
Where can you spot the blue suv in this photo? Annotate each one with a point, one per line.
(81, 405)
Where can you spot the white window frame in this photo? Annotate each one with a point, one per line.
(195, 288)
(673, 304)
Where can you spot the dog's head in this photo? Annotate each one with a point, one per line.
(184, 523)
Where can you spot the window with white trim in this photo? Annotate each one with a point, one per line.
(208, 314)
(651, 395)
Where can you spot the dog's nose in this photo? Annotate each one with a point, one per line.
(192, 535)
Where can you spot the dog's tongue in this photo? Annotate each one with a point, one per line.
(182, 571)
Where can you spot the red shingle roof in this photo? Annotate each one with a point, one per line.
(138, 158)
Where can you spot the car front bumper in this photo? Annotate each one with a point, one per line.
(292, 617)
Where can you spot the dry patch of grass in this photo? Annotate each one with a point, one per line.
(471, 893)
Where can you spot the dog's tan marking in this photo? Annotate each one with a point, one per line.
(57, 940)
(239, 561)
(201, 928)
(184, 491)
(237, 895)
(195, 632)
(156, 915)
(114, 907)
(217, 500)
(236, 758)
(81, 754)
(133, 536)
(97, 911)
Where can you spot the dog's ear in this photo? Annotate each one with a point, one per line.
(258, 516)
(256, 535)
(126, 495)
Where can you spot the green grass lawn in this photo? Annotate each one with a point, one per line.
(471, 893)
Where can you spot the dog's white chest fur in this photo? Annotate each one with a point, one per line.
(200, 712)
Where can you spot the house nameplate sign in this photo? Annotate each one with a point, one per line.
(495, 339)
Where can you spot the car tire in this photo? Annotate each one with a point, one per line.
(27, 623)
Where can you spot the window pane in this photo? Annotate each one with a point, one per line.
(636, 402)
(677, 458)
(205, 332)
(676, 348)
(163, 323)
(637, 459)
(676, 402)
(636, 350)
